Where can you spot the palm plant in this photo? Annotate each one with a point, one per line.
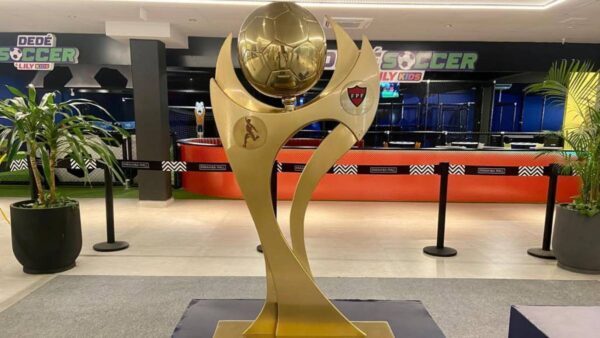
(577, 82)
(51, 130)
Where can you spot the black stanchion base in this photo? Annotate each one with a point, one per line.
(115, 246)
(440, 252)
(259, 248)
(541, 253)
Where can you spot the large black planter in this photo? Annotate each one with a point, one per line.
(45, 240)
(576, 241)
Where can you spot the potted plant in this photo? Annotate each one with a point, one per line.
(46, 232)
(576, 241)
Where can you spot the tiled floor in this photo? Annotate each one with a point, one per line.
(357, 239)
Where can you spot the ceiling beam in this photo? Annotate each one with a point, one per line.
(147, 30)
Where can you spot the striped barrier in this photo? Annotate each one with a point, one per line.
(444, 170)
(337, 169)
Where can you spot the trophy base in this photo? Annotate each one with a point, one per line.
(236, 328)
(406, 318)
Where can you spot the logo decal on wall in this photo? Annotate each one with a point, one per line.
(357, 95)
(38, 52)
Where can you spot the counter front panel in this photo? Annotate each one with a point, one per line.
(509, 189)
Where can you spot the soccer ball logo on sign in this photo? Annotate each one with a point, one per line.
(16, 54)
(406, 60)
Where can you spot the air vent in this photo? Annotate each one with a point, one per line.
(503, 86)
(350, 23)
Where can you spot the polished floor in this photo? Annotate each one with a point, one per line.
(150, 307)
(344, 239)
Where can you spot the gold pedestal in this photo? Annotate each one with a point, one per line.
(236, 328)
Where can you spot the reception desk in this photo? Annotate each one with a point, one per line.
(509, 189)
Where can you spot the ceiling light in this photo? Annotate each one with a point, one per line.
(143, 14)
(373, 4)
(350, 23)
(573, 20)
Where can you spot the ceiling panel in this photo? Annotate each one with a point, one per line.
(572, 20)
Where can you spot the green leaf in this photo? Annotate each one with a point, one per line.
(14, 147)
(32, 94)
(57, 129)
(577, 81)
(16, 92)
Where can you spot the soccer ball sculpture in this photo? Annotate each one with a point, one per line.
(282, 50)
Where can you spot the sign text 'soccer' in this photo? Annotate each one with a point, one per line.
(38, 52)
(410, 65)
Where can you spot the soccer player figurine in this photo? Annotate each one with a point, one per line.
(250, 132)
(200, 112)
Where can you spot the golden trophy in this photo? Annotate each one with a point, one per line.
(281, 49)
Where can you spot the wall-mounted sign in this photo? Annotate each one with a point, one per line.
(38, 52)
(410, 66)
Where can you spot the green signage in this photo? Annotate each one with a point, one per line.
(38, 52)
(403, 60)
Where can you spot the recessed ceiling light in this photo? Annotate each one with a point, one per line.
(449, 25)
(143, 14)
(397, 4)
(573, 20)
(72, 17)
(193, 20)
(350, 23)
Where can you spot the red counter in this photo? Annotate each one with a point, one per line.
(393, 187)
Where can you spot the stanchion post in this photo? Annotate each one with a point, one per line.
(273, 196)
(128, 172)
(176, 157)
(440, 250)
(110, 244)
(545, 251)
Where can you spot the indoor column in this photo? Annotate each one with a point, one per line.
(149, 74)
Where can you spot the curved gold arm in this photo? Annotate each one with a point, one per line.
(346, 59)
(334, 146)
(297, 306)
